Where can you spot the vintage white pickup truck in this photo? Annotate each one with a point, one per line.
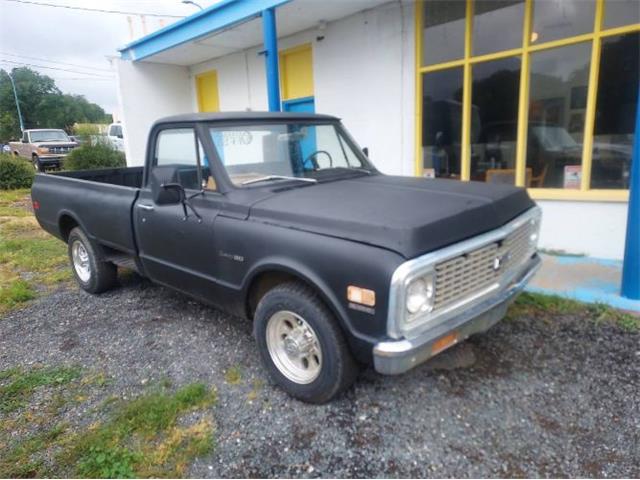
(45, 148)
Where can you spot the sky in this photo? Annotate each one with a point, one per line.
(55, 37)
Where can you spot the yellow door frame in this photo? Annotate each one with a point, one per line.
(210, 96)
(301, 77)
(524, 51)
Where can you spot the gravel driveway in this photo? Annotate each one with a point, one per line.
(531, 397)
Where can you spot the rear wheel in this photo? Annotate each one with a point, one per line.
(301, 344)
(92, 274)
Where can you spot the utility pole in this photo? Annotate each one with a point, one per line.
(15, 95)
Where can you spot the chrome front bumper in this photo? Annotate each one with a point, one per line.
(398, 356)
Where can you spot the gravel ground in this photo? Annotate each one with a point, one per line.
(529, 398)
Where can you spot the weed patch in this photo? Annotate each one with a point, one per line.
(21, 386)
(546, 306)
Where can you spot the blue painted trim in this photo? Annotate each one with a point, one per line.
(271, 58)
(219, 16)
(293, 101)
(631, 266)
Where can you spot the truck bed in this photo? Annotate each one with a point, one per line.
(100, 201)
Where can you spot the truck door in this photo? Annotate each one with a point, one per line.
(176, 250)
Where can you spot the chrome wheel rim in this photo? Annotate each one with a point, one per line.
(294, 347)
(80, 259)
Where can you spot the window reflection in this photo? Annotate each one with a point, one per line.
(557, 102)
(443, 35)
(494, 117)
(491, 16)
(556, 19)
(621, 12)
(615, 111)
(442, 123)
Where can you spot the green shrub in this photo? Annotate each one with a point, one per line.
(15, 172)
(100, 155)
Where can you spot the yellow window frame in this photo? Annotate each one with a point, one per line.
(595, 37)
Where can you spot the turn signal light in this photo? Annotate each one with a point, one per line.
(362, 296)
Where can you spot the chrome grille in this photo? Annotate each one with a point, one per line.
(60, 150)
(468, 274)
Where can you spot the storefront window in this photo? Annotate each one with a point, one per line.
(615, 111)
(477, 102)
(494, 120)
(557, 102)
(489, 17)
(556, 19)
(621, 12)
(442, 123)
(443, 35)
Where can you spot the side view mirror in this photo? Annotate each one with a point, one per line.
(365, 150)
(24, 140)
(167, 191)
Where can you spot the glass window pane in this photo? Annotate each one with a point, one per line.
(491, 16)
(556, 19)
(442, 123)
(494, 120)
(557, 102)
(443, 34)
(615, 111)
(621, 12)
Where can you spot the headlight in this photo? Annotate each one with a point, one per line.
(42, 150)
(420, 297)
(534, 232)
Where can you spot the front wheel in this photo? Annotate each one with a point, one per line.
(301, 344)
(37, 166)
(92, 274)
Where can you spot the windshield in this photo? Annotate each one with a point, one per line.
(116, 131)
(554, 138)
(252, 153)
(49, 136)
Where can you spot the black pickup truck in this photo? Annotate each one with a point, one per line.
(280, 218)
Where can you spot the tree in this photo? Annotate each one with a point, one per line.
(43, 105)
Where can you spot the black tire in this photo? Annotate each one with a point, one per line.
(37, 166)
(102, 275)
(338, 369)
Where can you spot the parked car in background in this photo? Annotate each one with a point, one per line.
(280, 218)
(115, 136)
(45, 148)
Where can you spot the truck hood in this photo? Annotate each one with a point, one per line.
(410, 216)
(55, 144)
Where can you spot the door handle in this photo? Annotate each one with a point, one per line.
(148, 208)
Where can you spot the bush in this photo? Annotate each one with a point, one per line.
(15, 172)
(100, 155)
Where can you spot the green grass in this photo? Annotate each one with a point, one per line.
(150, 436)
(545, 306)
(21, 386)
(233, 375)
(30, 259)
(15, 293)
(12, 203)
(143, 437)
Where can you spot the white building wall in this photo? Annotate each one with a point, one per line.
(148, 91)
(595, 229)
(363, 73)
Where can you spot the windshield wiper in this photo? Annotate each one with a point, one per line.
(278, 177)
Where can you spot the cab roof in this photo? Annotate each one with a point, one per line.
(246, 116)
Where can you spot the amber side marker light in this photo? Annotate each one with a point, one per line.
(362, 296)
(444, 343)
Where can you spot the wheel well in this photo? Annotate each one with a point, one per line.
(265, 281)
(67, 223)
